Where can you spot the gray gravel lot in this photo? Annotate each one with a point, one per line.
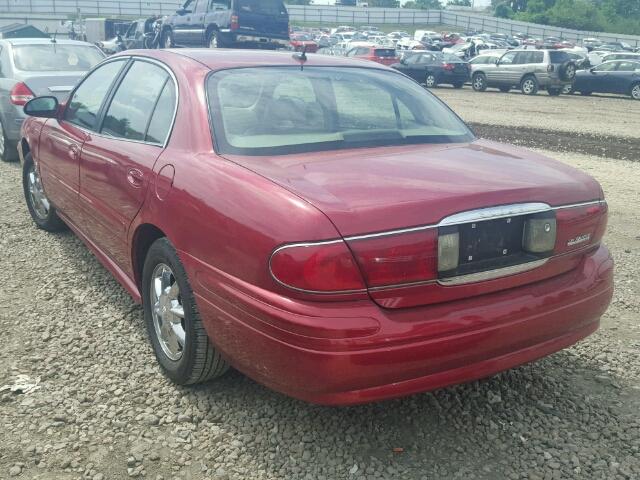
(104, 411)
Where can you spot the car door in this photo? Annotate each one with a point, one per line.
(182, 24)
(624, 75)
(198, 23)
(502, 74)
(116, 163)
(61, 140)
(601, 77)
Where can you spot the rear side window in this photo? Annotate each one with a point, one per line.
(162, 118)
(559, 57)
(135, 100)
(384, 52)
(86, 101)
(263, 7)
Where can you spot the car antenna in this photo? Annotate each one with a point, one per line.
(301, 57)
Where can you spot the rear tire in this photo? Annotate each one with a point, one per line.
(177, 335)
(40, 208)
(212, 39)
(634, 91)
(479, 82)
(430, 81)
(8, 152)
(529, 85)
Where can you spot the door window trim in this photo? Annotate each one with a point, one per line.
(129, 60)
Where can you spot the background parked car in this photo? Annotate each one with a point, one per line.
(434, 68)
(618, 76)
(228, 23)
(528, 70)
(376, 53)
(302, 41)
(32, 66)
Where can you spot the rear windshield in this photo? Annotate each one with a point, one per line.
(52, 57)
(282, 110)
(384, 52)
(559, 57)
(266, 7)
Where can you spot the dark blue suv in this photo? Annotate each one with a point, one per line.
(228, 24)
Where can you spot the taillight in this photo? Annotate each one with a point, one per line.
(580, 226)
(398, 259)
(448, 66)
(20, 94)
(234, 22)
(316, 267)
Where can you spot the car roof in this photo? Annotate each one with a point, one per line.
(223, 59)
(43, 41)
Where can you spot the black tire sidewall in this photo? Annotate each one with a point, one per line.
(162, 251)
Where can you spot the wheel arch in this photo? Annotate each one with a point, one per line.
(143, 237)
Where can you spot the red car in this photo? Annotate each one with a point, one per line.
(337, 234)
(382, 55)
(302, 41)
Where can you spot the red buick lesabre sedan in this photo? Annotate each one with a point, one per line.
(324, 225)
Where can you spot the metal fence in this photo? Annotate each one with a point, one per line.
(460, 20)
(310, 13)
(66, 8)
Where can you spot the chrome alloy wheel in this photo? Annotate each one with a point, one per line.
(430, 81)
(2, 141)
(167, 312)
(528, 86)
(478, 82)
(571, 72)
(635, 92)
(39, 200)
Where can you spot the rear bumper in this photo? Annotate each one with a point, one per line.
(253, 40)
(370, 353)
(13, 119)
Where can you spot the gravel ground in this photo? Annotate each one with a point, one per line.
(599, 115)
(104, 411)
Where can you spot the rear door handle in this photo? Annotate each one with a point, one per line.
(135, 177)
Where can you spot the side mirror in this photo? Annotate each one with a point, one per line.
(495, 61)
(44, 107)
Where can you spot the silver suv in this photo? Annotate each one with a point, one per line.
(528, 70)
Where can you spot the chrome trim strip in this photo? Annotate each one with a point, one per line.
(492, 274)
(302, 290)
(494, 213)
(481, 214)
(583, 204)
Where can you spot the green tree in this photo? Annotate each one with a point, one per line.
(504, 10)
(460, 3)
(384, 3)
(424, 4)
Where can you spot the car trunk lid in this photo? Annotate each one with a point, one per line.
(368, 192)
(57, 85)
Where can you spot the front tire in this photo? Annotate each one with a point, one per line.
(529, 85)
(479, 82)
(42, 211)
(175, 330)
(167, 39)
